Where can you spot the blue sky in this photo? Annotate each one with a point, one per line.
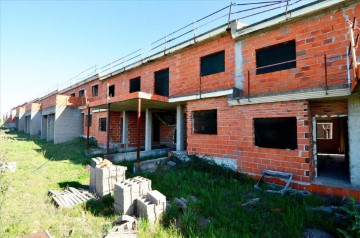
(47, 42)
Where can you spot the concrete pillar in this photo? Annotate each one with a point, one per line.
(125, 129)
(179, 128)
(44, 127)
(148, 129)
(354, 140)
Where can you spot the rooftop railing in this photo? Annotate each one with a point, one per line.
(318, 71)
(252, 11)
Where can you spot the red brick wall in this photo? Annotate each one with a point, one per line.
(132, 130)
(48, 102)
(167, 135)
(115, 127)
(184, 69)
(329, 108)
(235, 138)
(327, 33)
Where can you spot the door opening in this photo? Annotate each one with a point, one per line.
(332, 150)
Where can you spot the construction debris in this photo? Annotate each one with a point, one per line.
(104, 175)
(8, 166)
(316, 233)
(181, 203)
(38, 234)
(122, 231)
(126, 226)
(70, 197)
(251, 201)
(287, 177)
(151, 206)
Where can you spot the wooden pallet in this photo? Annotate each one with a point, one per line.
(70, 197)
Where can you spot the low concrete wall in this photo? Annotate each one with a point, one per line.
(10, 125)
(132, 155)
(226, 162)
(68, 124)
(354, 140)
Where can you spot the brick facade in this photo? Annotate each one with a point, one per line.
(315, 36)
(235, 138)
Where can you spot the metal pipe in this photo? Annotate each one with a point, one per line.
(108, 130)
(138, 134)
(249, 85)
(228, 27)
(194, 31)
(348, 67)
(88, 131)
(326, 78)
(200, 85)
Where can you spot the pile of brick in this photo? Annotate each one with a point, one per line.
(104, 175)
(135, 197)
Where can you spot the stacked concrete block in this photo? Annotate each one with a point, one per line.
(103, 179)
(144, 183)
(151, 206)
(125, 193)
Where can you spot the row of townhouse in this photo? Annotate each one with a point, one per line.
(280, 94)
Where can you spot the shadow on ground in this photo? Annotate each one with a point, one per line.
(73, 151)
(103, 207)
(73, 184)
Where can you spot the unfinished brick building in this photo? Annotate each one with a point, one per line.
(280, 94)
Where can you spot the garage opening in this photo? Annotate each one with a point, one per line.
(332, 150)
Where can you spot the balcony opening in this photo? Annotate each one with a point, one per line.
(135, 85)
(205, 122)
(278, 133)
(95, 90)
(81, 93)
(332, 151)
(112, 91)
(276, 57)
(102, 124)
(212, 64)
(162, 82)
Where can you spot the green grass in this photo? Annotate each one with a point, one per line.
(219, 194)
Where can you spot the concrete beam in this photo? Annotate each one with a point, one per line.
(148, 129)
(179, 128)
